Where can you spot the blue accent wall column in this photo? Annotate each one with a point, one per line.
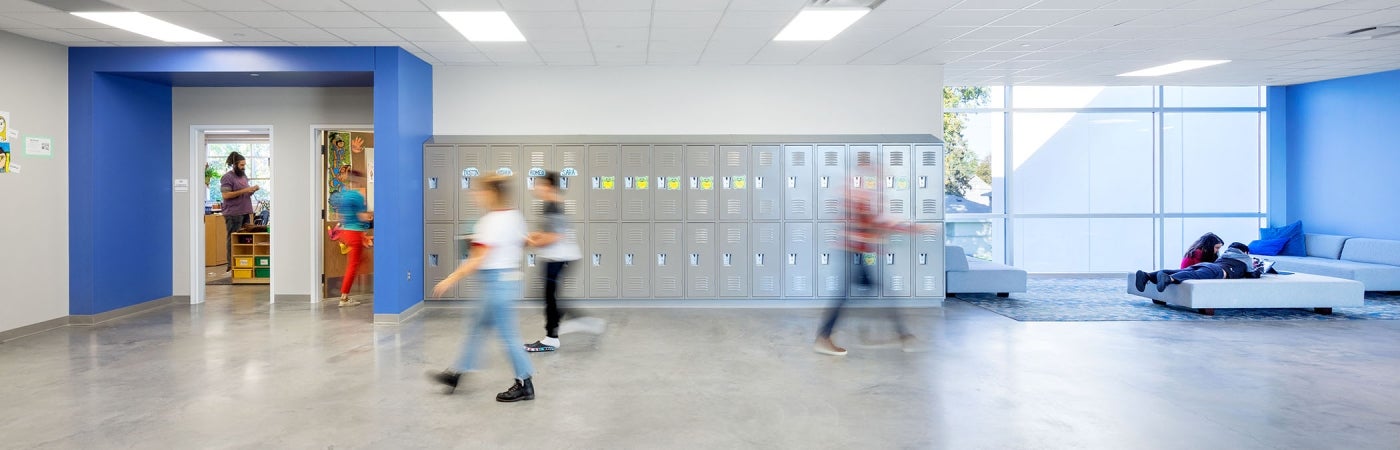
(1344, 155)
(1276, 122)
(403, 121)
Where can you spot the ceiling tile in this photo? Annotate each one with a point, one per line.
(568, 58)
(337, 19)
(1293, 4)
(155, 5)
(882, 18)
(109, 35)
(1364, 5)
(725, 58)
(460, 46)
(399, 43)
(614, 5)
(196, 20)
(240, 5)
(994, 4)
(561, 46)
(784, 52)
(681, 34)
(365, 34)
(1313, 17)
(617, 19)
(1036, 18)
(677, 47)
(966, 18)
(539, 5)
(757, 19)
(239, 34)
(267, 19)
(14, 6)
(310, 5)
(302, 34)
(1102, 18)
(460, 56)
(635, 48)
(7, 22)
(1072, 4)
(937, 32)
(462, 5)
(690, 5)
(1000, 33)
(619, 34)
(416, 35)
(407, 19)
(771, 5)
(1061, 33)
(1369, 19)
(555, 34)
(674, 59)
(937, 57)
(686, 19)
(546, 19)
(1145, 5)
(386, 5)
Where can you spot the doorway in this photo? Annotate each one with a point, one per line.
(342, 150)
(234, 262)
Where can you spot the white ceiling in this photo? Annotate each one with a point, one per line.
(1067, 42)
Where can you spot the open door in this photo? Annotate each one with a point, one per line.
(343, 151)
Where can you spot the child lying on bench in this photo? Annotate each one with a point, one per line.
(1234, 262)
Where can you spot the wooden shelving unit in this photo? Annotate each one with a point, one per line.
(252, 258)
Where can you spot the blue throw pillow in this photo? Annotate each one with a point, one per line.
(1296, 246)
(1267, 247)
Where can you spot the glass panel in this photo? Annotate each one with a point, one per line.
(1081, 96)
(980, 239)
(1082, 163)
(974, 97)
(1212, 96)
(1212, 162)
(262, 195)
(1121, 245)
(263, 150)
(973, 175)
(259, 168)
(1052, 245)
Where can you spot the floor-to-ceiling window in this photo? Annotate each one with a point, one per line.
(1101, 179)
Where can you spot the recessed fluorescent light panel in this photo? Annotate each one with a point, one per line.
(1179, 66)
(820, 24)
(484, 26)
(227, 131)
(148, 26)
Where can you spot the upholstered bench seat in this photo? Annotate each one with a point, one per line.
(1298, 290)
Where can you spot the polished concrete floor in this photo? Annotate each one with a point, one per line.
(237, 373)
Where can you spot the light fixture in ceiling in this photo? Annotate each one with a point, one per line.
(1179, 66)
(148, 26)
(483, 26)
(820, 24)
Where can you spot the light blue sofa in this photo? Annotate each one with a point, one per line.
(974, 276)
(1373, 262)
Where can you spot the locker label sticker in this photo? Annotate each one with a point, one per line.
(536, 171)
(609, 183)
(471, 172)
(869, 182)
(569, 172)
(673, 183)
(505, 171)
(869, 258)
(641, 183)
(707, 183)
(901, 183)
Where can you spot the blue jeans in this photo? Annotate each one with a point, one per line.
(1202, 271)
(500, 289)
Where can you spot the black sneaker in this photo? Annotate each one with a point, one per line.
(1140, 281)
(446, 378)
(521, 390)
(1163, 280)
(538, 346)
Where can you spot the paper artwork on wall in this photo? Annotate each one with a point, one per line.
(5, 157)
(38, 146)
(5, 126)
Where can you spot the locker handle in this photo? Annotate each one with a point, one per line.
(923, 259)
(530, 184)
(627, 259)
(825, 259)
(758, 259)
(432, 183)
(661, 259)
(695, 259)
(792, 182)
(728, 259)
(889, 259)
(563, 183)
(825, 182)
(855, 182)
(889, 182)
(792, 259)
(923, 182)
(758, 182)
(597, 259)
(433, 260)
(530, 260)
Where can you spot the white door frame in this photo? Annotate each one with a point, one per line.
(198, 156)
(318, 178)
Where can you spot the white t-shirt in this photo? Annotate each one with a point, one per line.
(504, 232)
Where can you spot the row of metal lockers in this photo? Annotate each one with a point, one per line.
(701, 221)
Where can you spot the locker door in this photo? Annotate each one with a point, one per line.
(765, 183)
(870, 261)
(928, 182)
(635, 183)
(471, 161)
(732, 260)
(865, 169)
(831, 182)
(505, 161)
(832, 263)
(895, 182)
(767, 258)
(799, 183)
(573, 188)
(603, 198)
(439, 258)
(636, 260)
(928, 261)
(700, 253)
(669, 182)
(733, 183)
(800, 259)
(701, 184)
(469, 287)
(669, 260)
(536, 158)
(439, 184)
(574, 281)
(896, 259)
(602, 259)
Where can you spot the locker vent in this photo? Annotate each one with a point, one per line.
(439, 160)
(471, 158)
(929, 206)
(897, 159)
(799, 235)
(668, 284)
(799, 159)
(831, 235)
(602, 159)
(702, 206)
(831, 206)
(865, 159)
(537, 159)
(635, 285)
(571, 207)
(769, 235)
(768, 283)
(441, 237)
(897, 283)
(734, 207)
(734, 283)
(439, 208)
(929, 236)
(765, 159)
(703, 283)
(667, 235)
(766, 206)
(833, 283)
(897, 206)
(667, 160)
(637, 236)
(930, 158)
(602, 237)
(670, 207)
(603, 206)
(929, 283)
(603, 284)
(800, 283)
(537, 207)
(702, 236)
(799, 207)
(703, 159)
(569, 158)
(734, 158)
(734, 235)
(637, 207)
(633, 160)
(570, 283)
(505, 159)
(831, 159)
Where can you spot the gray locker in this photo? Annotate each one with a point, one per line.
(602, 258)
(767, 258)
(732, 262)
(440, 183)
(896, 183)
(635, 180)
(536, 159)
(668, 260)
(831, 263)
(439, 256)
(928, 182)
(636, 260)
(928, 261)
(896, 261)
(765, 182)
(800, 259)
(700, 253)
(574, 281)
(471, 161)
(865, 170)
(569, 161)
(831, 182)
(669, 182)
(505, 161)
(871, 262)
(603, 198)
(799, 182)
(701, 184)
(733, 183)
(469, 287)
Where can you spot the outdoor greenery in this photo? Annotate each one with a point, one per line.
(961, 164)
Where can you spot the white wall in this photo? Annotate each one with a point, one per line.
(291, 112)
(34, 202)
(688, 100)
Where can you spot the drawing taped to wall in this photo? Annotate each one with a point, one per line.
(4, 157)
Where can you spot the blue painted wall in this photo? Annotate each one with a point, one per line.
(1276, 98)
(120, 184)
(1344, 155)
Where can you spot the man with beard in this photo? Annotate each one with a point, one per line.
(238, 199)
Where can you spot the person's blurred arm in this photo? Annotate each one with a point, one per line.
(467, 268)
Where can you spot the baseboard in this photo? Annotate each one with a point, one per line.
(395, 319)
(754, 303)
(93, 319)
(291, 298)
(37, 328)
